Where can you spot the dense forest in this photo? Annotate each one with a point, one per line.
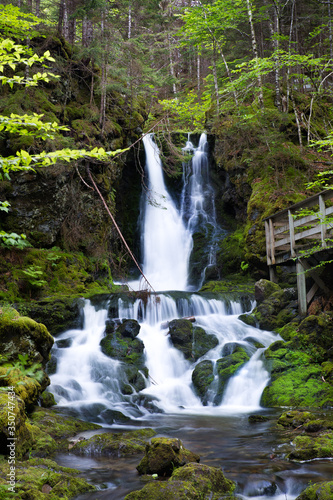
(94, 95)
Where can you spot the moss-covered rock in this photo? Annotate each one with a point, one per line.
(37, 478)
(114, 445)
(191, 340)
(319, 491)
(227, 367)
(191, 482)
(277, 309)
(263, 289)
(51, 430)
(163, 455)
(202, 377)
(121, 343)
(312, 447)
(205, 479)
(22, 335)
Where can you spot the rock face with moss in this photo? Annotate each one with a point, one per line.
(191, 340)
(163, 455)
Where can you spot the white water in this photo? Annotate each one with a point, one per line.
(167, 243)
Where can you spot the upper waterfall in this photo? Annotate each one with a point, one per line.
(167, 242)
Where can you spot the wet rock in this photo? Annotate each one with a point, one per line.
(227, 367)
(114, 417)
(47, 399)
(163, 455)
(259, 487)
(191, 340)
(202, 377)
(123, 345)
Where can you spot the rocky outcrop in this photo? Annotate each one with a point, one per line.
(227, 367)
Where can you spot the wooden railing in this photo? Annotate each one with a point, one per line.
(288, 236)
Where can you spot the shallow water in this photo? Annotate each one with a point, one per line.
(252, 455)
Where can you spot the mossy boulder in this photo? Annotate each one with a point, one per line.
(163, 455)
(28, 388)
(114, 445)
(205, 479)
(227, 367)
(23, 335)
(320, 491)
(193, 481)
(312, 447)
(263, 289)
(191, 340)
(37, 478)
(202, 377)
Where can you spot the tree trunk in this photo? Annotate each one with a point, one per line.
(129, 21)
(37, 8)
(255, 51)
(216, 85)
(87, 32)
(198, 70)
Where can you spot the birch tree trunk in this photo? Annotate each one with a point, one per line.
(255, 51)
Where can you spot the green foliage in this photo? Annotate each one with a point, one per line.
(34, 274)
(187, 112)
(18, 241)
(26, 369)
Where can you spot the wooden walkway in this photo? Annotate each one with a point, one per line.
(289, 237)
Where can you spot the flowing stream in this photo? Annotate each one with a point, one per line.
(88, 383)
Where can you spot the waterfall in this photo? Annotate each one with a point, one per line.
(90, 382)
(167, 242)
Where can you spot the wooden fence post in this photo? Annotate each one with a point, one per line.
(301, 289)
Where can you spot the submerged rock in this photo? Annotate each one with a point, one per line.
(163, 455)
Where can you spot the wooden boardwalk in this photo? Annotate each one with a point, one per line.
(290, 237)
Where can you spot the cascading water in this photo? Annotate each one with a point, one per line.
(91, 385)
(167, 237)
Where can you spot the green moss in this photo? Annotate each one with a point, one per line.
(311, 447)
(227, 367)
(319, 491)
(32, 475)
(297, 386)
